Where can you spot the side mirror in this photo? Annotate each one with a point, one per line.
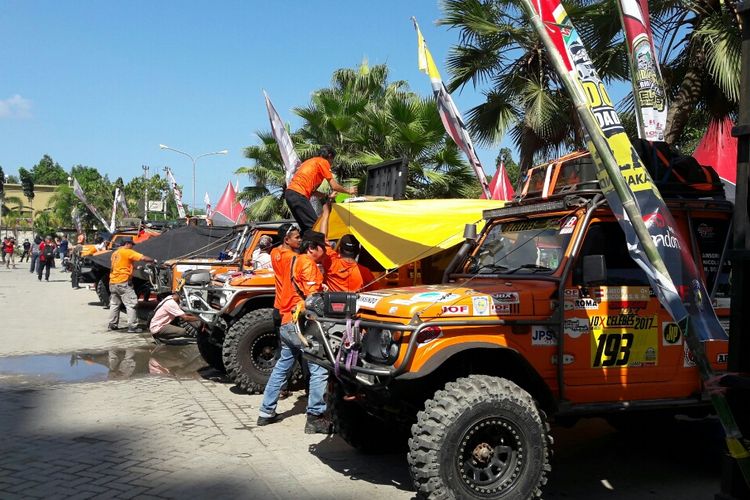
(594, 269)
(470, 232)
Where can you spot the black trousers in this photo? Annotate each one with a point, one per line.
(45, 266)
(302, 210)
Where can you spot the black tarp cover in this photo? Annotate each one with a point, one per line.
(195, 241)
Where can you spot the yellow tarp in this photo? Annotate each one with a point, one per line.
(398, 232)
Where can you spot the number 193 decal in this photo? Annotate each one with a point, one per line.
(613, 349)
(617, 348)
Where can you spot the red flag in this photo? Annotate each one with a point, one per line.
(718, 149)
(228, 210)
(500, 186)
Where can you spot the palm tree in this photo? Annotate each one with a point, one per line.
(498, 50)
(367, 119)
(12, 216)
(264, 198)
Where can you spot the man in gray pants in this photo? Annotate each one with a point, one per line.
(121, 287)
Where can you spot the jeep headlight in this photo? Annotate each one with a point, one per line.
(223, 300)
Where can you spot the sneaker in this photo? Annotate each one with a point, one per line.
(317, 424)
(268, 420)
(105, 307)
(112, 327)
(135, 330)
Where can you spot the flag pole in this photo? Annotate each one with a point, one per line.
(605, 156)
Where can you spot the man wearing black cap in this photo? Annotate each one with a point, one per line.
(120, 285)
(304, 279)
(305, 183)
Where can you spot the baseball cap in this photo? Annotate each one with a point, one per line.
(348, 246)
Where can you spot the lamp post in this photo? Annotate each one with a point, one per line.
(194, 160)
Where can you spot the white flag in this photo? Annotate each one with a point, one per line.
(288, 154)
(176, 192)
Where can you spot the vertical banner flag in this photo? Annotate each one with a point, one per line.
(207, 201)
(114, 210)
(449, 114)
(648, 85)
(81, 196)
(176, 193)
(123, 203)
(288, 154)
(652, 236)
(76, 216)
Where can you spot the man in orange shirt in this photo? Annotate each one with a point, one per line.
(342, 271)
(305, 183)
(120, 287)
(303, 279)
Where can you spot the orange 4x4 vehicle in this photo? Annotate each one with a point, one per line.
(543, 316)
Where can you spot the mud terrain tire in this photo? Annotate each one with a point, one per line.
(480, 437)
(102, 291)
(249, 350)
(361, 430)
(210, 351)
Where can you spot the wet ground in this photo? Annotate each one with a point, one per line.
(87, 413)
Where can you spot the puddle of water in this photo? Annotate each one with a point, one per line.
(181, 361)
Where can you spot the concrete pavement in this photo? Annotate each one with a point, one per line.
(87, 413)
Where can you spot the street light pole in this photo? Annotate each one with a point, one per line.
(194, 160)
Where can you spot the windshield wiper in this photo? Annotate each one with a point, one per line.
(534, 267)
(493, 267)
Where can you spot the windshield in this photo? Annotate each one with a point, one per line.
(530, 246)
(233, 246)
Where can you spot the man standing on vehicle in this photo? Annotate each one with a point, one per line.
(303, 279)
(120, 285)
(304, 184)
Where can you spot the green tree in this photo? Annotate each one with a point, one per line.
(12, 179)
(156, 186)
(47, 171)
(267, 175)
(27, 183)
(511, 167)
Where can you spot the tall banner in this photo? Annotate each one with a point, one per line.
(76, 216)
(81, 196)
(651, 233)
(123, 203)
(449, 113)
(207, 201)
(288, 154)
(176, 193)
(114, 211)
(648, 85)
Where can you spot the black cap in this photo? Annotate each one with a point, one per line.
(348, 246)
(327, 152)
(285, 229)
(126, 240)
(315, 237)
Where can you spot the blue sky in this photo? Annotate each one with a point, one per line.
(104, 83)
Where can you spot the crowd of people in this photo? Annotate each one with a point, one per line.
(40, 253)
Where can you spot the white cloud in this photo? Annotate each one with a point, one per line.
(15, 106)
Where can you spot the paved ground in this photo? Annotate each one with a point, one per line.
(88, 413)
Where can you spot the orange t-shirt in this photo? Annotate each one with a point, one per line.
(346, 276)
(281, 262)
(308, 278)
(122, 265)
(310, 175)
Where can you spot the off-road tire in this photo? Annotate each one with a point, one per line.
(102, 291)
(361, 430)
(74, 277)
(210, 351)
(490, 416)
(254, 331)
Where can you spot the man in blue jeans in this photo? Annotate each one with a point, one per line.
(301, 280)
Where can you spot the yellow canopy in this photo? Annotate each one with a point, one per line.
(398, 232)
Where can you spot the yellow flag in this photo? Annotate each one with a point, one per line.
(426, 63)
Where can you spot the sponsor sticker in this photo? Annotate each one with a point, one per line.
(455, 310)
(622, 340)
(569, 225)
(575, 327)
(506, 298)
(368, 301)
(572, 293)
(434, 297)
(585, 304)
(725, 325)
(504, 308)
(671, 334)
(481, 305)
(393, 310)
(543, 336)
(722, 357)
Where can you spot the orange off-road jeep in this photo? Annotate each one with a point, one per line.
(543, 316)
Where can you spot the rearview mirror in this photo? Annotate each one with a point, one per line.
(470, 232)
(594, 269)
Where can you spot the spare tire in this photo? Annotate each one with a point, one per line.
(102, 291)
(249, 350)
